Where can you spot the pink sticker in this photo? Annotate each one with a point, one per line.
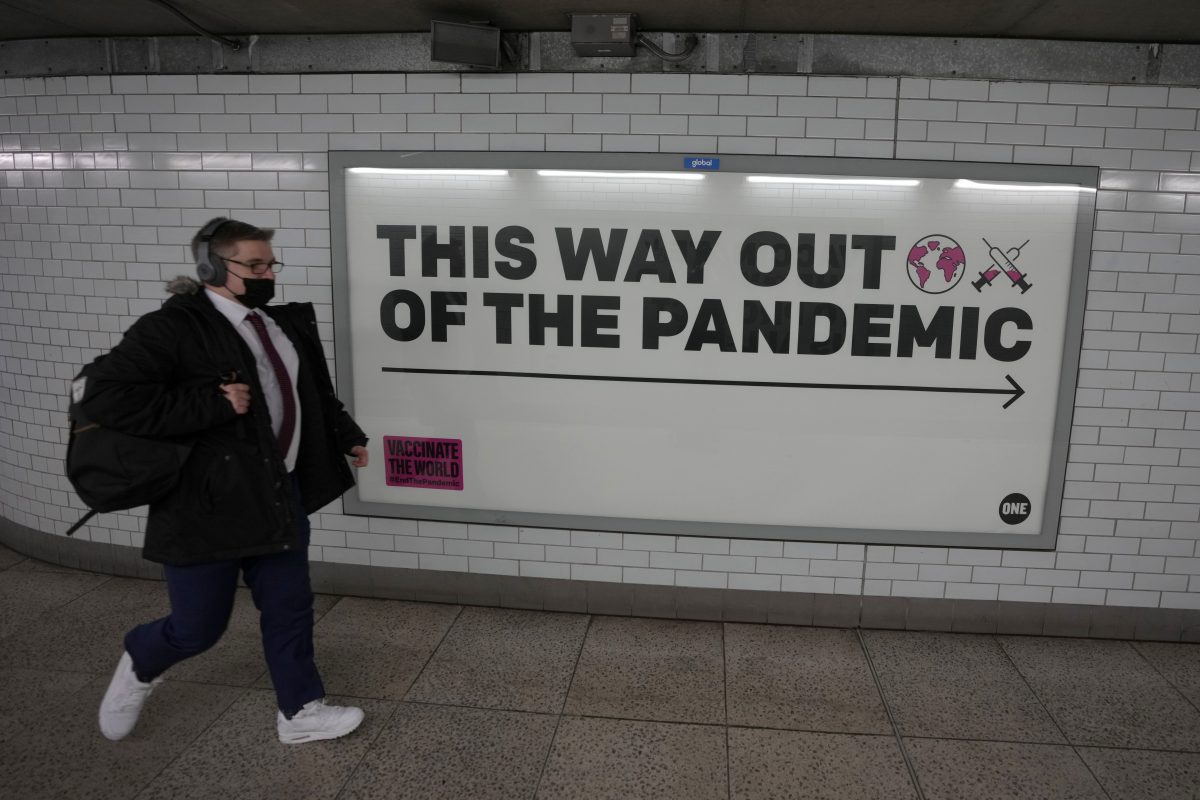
(422, 463)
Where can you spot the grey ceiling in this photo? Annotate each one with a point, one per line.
(1172, 21)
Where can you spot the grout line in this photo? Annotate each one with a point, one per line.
(1057, 725)
(895, 136)
(559, 716)
(184, 750)
(694, 723)
(1057, 744)
(578, 657)
(887, 708)
(432, 653)
(367, 750)
(396, 707)
(1153, 666)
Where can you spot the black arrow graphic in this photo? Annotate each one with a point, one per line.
(1016, 391)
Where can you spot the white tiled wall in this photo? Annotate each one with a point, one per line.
(104, 180)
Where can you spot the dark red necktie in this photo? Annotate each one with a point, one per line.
(288, 426)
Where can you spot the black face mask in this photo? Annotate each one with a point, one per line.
(259, 292)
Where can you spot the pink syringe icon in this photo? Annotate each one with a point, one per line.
(1003, 261)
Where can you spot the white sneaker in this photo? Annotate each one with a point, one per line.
(123, 701)
(318, 721)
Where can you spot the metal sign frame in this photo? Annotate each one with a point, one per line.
(1085, 177)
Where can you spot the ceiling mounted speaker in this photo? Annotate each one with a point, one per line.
(603, 35)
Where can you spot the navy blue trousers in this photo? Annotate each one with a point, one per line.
(202, 599)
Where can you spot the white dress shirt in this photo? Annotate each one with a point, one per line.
(236, 313)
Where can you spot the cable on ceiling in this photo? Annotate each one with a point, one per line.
(692, 41)
(230, 43)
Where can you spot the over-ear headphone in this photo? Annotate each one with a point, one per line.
(210, 267)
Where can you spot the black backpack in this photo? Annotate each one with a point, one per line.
(114, 471)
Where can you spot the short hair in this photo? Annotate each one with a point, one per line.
(230, 233)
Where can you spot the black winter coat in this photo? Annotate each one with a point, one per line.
(162, 381)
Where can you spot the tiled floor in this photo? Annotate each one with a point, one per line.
(467, 703)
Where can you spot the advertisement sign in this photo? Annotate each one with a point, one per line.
(766, 347)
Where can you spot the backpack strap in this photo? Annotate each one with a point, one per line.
(82, 521)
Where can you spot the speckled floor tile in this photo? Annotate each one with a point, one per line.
(1103, 693)
(611, 759)
(814, 679)
(62, 754)
(499, 658)
(666, 670)
(779, 765)
(87, 633)
(953, 770)
(240, 756)
(429, 752)
(1178, 663)
(25, 596)
(237, 659)
(953, 685)
(27, 693)
(1145, 774)
(376, 648)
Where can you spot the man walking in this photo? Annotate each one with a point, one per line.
(248, 386)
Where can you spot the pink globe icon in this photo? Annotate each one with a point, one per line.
(936, 264)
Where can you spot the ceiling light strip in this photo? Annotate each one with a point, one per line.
(405, 171)
(964, 183)
(572, 173)
(835, 181)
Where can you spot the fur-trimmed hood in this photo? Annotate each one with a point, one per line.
(183, 284)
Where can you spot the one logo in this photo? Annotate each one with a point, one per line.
(1015, 509)
(1003, 261)
(702, 162)
(936, 264)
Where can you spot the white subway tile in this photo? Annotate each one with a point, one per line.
(958, 90)
(381, 558)
(918, 589)
(654, 577)
(460, 103)
(972, 591)
(551, 82)
(752, 547)
(690, 561)
(1067, 594)
(987, 112)
(538, 569)
(707, 580)
(620, 558)
(659, 84)
(1025, 594)
(1020, 92)
(601, 83)
(443, 563)
(591, 538)
(758, 583)
(779, 84)
(796, 583)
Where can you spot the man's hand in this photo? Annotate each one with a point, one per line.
(360, 456)
(238, 395)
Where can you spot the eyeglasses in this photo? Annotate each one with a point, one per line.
(258, 267)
